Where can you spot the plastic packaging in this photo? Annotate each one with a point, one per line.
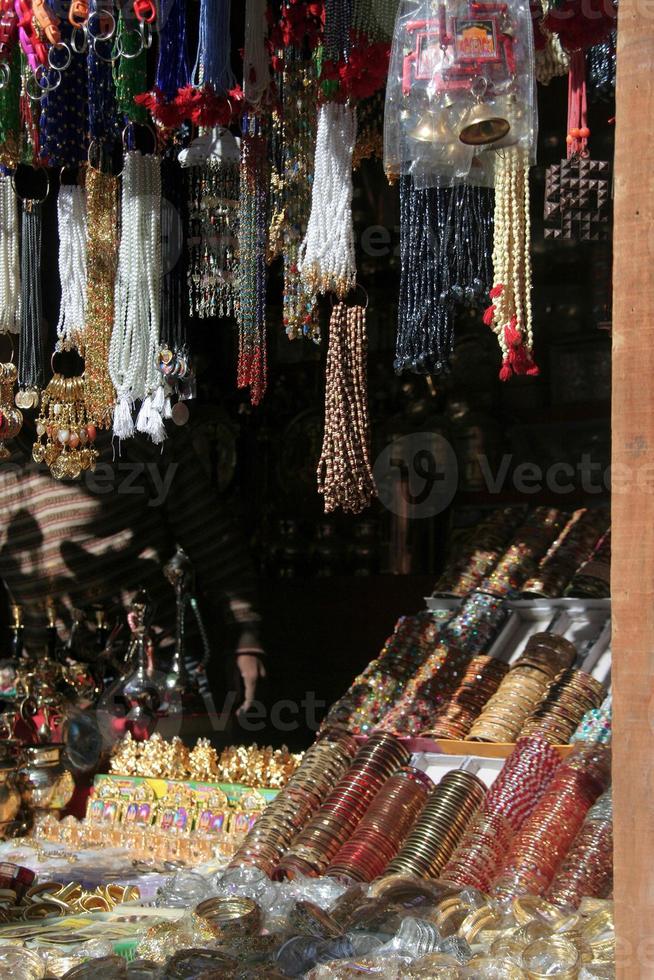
(461, 82)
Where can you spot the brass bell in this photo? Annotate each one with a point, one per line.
(483, 125)
(431, 128)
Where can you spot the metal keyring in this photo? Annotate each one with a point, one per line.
(111, 59)
(99, 14)
(51, 86)
(59, 47)
(132, 125)
(5, 75)
(79, 49)
(99, 170)
(34, 79)
(32, 200)
(120, 44)
(145, 29)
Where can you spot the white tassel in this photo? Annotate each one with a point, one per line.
(71, 217)
(134, 349)
(9, 259)
(327, 256)
(159, 398)
(123, 422)
(168, 408)
(156, 428)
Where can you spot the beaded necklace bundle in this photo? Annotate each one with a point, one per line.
(446, 237)
(291, 177)
(252, 359)
(510, 313)
(9, 258)
(101, 254)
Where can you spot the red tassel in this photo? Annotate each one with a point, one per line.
(489, 313)
(496, 291)
(505, 372)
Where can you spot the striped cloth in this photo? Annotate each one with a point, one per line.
(102, 538)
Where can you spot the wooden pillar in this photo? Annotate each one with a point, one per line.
(632, 577)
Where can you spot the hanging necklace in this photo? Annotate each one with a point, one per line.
(31, 375)
(9, 258)
(344, 471)
(135, 341)
(327, 260)
(71, 223)
(64, 107)
(252, 360)
(510, 312)
(173, 70)
(102, 244)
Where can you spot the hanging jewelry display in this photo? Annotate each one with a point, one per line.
(9, 258)
(31, 375)
(103, 126)
(173, 69)
(446, 238)
(66, 434)
(212, 64)
(64, 108)
(256, 61)
(600, 65)
(327, 259)
(174, 362)
(293, 41)
(213, 230)
(252, 358)
(10, 123)
(510, 312)
(375, 19)
(71, 222)
(11, 418)
(130, 65)
(135, 342)
(101, 249)
(578, 190)
(344, 471)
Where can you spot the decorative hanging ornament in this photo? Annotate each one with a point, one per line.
(510, 312)
(578, 190)
(550, 57)
(9, 258)
(256, 60)
(327, 258)
(134, 349)
(71, 219)
(213, 184)
(345, 475)
(11, 418)
(65, 433)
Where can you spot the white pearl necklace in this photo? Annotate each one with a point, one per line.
(327, 256)
(9, 259)
(133, 354)
(71, 219)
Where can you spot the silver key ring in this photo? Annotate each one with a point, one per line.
(120, 44)
(68, 55)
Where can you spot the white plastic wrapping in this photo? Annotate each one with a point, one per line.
(461, 85)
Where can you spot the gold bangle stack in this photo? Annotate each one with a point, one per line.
(523, 689)
(564, 705)
(449, 810)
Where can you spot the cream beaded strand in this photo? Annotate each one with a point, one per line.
(327, 258)
(510, 316)
(71, 219)
(9, 259)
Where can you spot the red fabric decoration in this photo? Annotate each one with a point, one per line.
(200, 106)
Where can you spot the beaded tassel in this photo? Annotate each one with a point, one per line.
(445, 248)
(344, 472)
(252, 361)
(510, 313)
(71, 221)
